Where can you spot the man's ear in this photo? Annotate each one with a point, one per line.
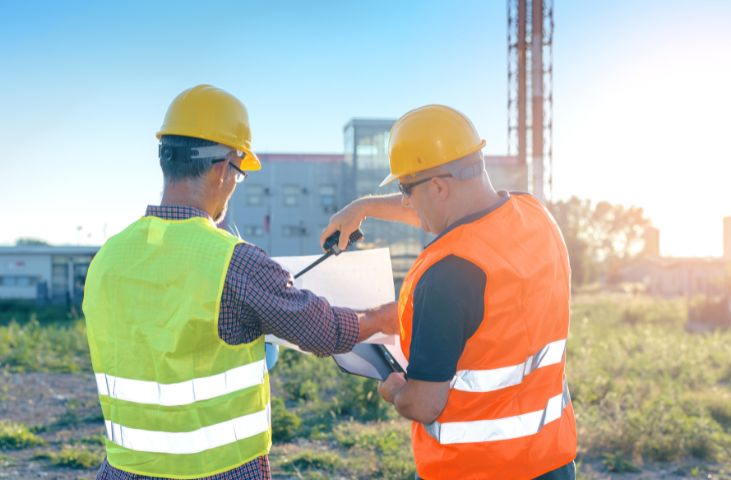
(441, 187)
(218, 172)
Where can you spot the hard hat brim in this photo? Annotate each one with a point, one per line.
(250, 162)
(390, 178)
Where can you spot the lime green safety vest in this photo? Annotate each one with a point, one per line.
(177, 400)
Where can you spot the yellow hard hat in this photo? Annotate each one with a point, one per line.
(212, 114)
(428, 137)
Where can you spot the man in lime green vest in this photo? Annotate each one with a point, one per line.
(176, 310)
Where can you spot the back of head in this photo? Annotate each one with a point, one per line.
(201, 124)
(179, 158)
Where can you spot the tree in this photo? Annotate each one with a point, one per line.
(27, 241)
(600, 238)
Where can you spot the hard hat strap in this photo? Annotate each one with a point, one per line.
(466, 168)
(170, 153)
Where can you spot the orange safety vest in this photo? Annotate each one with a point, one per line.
(508, 414)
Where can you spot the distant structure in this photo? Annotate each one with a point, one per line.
(284, 207)
(45, 274)
(673, 276)
(530, 92)
(652, 242)
(680, 276)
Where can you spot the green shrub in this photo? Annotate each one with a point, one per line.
(74, 456)
(23, 311)
(618, 463)
(285, 424)
(387, 438)
(15, 436)
(45, 348)
(396, 467)
(313, 460)
(77, 413)
(358, 398)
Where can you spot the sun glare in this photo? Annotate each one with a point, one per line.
(653, 132)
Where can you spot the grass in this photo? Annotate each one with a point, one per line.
(14, 436)
(55, 347)
(76, 414)
(24, 311)
(646, 392)
(74, 456)
(644, 389)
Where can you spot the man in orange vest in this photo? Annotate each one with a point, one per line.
(483, 312)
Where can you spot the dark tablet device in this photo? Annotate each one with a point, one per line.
(368, 360)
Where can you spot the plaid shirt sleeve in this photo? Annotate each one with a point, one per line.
(298, 316)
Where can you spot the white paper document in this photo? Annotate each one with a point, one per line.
(360, 279)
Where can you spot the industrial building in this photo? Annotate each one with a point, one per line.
(680, 276)
(45, 274)
(282, 208)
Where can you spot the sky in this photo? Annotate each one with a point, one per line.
(642, 107)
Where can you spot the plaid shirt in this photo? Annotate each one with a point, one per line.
(258, 298)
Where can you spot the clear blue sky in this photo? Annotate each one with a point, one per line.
(641, 113)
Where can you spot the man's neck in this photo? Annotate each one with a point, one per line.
(184, 193)
(480, 200)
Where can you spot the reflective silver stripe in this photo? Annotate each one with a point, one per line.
(182, 393)
(497, 378)
(196, 441)
(502, 428)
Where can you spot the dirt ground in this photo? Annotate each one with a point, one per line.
(65, 408)
(64, 404)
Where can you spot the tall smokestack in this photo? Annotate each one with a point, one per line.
(727, 238)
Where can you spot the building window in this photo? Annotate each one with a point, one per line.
(291, 195)
(294, 231)
(253, 231)
(60, 275)
(18, 281)
(254, 194)
(327, 198)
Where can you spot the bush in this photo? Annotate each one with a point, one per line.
(358, 398)
(709, 314)
(74, 456)
(51, 348)
(285, 424)
(15, 436)
(313, 460)
(24, 311)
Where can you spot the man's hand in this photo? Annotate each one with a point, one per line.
(346, 221)
(382, 319)
(393, 384)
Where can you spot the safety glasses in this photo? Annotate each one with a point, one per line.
(405, 188)
(240, 174)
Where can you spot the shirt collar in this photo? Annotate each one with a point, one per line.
(504, 197)
(175, 212)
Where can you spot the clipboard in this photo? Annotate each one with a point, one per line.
(368, 360)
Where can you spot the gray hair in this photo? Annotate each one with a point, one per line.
(464, 168)
(178, 157)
